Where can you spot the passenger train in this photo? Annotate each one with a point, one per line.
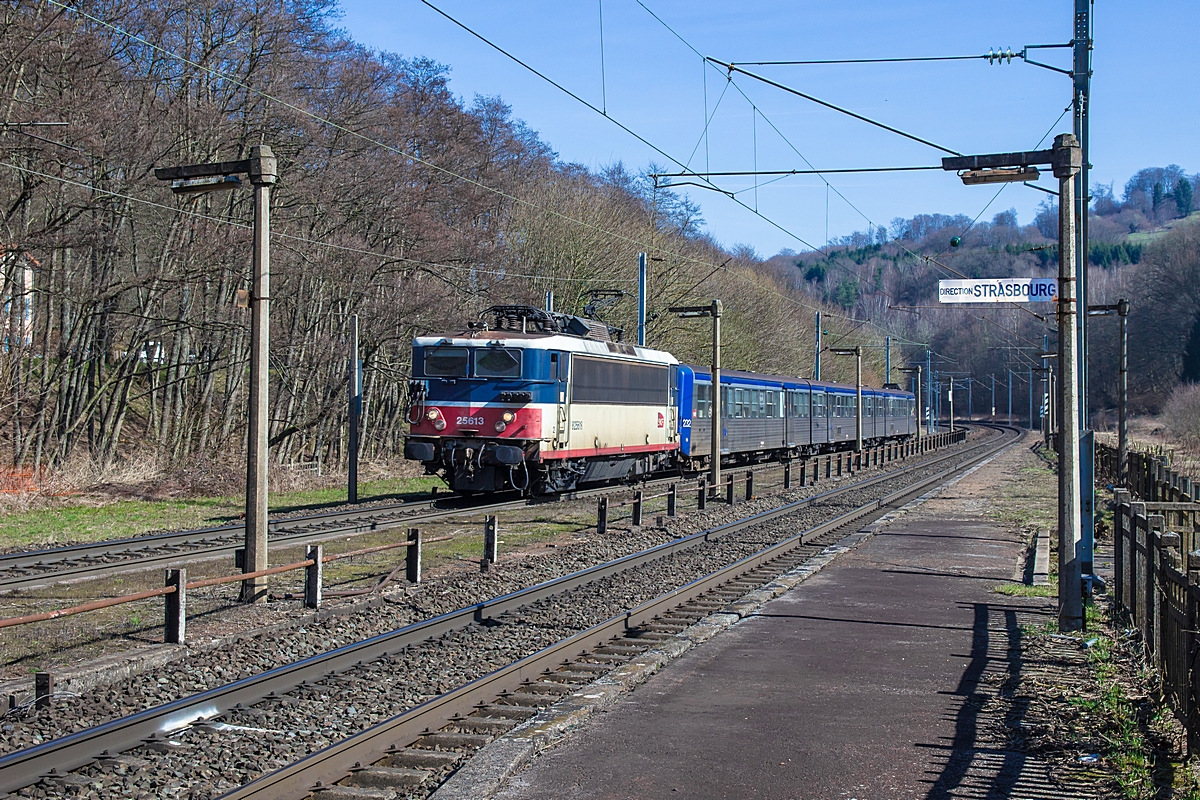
(543, 402)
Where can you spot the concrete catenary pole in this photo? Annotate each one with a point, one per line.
(887, 360)
(928, 392)
(1031, 398)
(858, 426)
(718, 406)
(817, 359)
(1010, 397)
(1123, 395)
(950, 397)
(262, 177)
(917, 396)
(1067, 159)
(641, 308)
(354, 410)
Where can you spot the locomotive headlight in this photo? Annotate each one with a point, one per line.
(432, 414)
(439, 424)
(500, 426)
(508, 416)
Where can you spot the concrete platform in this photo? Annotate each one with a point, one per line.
(869, 681)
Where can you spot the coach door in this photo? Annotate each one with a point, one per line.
(559, 363)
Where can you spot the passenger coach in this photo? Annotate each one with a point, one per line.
(543, 402)
(771, 417)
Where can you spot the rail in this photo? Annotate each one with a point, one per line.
(25, 767)
(176, 583)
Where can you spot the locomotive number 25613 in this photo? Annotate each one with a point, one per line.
(470, 421)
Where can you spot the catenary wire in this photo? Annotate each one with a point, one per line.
(298, 239)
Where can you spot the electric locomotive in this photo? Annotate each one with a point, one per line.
(540, 402)
(543, 402)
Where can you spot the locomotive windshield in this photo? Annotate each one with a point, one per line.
(494, 362)
(446, 362)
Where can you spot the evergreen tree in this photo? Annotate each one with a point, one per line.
(1183, 196)
(1157, 196)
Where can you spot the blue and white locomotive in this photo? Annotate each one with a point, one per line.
(542, 402)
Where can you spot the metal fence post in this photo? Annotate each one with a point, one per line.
(412, 558)
(701, 495)
(1120, 512)
(176, 612)
(491, 539)
(749, 485)
(313, 575)
(43, 689)
(828, 466)
(729, 498)
(672, 500)
(787, 475)
(637, 508)
(1192, 717)
(1154, 528)
(602, 516)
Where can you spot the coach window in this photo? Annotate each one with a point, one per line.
(771, 404)
(703, 401)
(446, 362)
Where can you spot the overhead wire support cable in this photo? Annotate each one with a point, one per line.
(839, 109)
(991, 56)
(785, 172)
(383, 145)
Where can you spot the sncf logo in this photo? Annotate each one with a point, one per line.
(662, 421)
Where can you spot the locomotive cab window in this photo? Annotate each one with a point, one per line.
(446, 362)
(496, 362)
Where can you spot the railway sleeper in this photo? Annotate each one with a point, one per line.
(508, 712)
(415, 758)
(387, 778)
(352, 793)
(473, 724)
(447, 740)
(542, 687)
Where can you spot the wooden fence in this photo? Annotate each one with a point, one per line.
(1156, 574)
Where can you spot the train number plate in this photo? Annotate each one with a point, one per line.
(470, 420)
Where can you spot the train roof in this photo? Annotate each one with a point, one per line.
(546, 341)
(790, 379)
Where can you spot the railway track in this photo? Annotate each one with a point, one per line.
(40, 568)
(433, 674)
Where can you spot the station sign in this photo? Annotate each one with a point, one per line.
(998, 290)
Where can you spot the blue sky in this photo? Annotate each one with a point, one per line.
(1143, 113)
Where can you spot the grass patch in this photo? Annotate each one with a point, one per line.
(123, 518)
(1025, 590)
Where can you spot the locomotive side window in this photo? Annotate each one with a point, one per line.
(602, 380)
(496, 362)
(446, 362)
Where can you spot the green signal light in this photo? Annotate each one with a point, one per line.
(956, 241)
